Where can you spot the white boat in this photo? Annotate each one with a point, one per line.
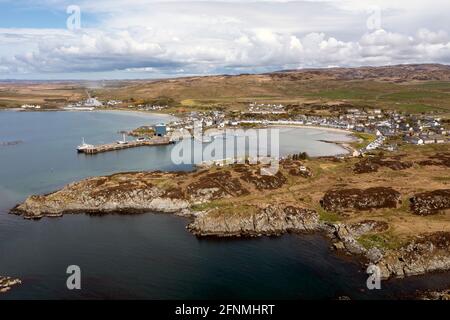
(83, 146)
(123, 141)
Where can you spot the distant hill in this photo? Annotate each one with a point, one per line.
(398, 73)
(414, 88)
(411, 88)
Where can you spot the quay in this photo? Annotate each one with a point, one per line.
(156, 141)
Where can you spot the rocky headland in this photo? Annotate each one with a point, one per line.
(404, 228)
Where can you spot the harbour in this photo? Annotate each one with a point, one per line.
(120, 145)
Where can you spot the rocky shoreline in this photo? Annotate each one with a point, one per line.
(435, 295)
(221, 203)
(7, 283)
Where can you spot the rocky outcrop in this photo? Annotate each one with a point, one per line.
(435, 295)
(264, 182)
(344, 237)
(373, 164)
(340, 200)
(126, 193)
(399, 73)
(271, 220)
(439, 159)
(357, 229)
(427, 253)
(6, 283)
(296, 168)
(432, 202)
(215, 185)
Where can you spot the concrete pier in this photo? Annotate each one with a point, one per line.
(156, 141)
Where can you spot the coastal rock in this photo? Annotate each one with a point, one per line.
(432, 202)
(271, 220)
(345, 240)
(125, 193)
(360, 199)
(6, 283)
(427, 253)
(436, 295)
(344, 237)
(359, 228)
(374, 255)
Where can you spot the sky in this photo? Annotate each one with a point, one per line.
(137, 39)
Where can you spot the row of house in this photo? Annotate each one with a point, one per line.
(415, 129)
(418, 140)
(30, 106)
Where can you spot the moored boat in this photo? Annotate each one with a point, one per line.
(83, 146)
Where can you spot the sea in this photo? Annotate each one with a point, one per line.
(152, 255)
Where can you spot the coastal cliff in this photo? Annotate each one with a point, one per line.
(426, 253)
(271, 220)
(121, 193)
(404, 228)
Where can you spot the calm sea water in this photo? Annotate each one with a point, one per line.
(151, 255)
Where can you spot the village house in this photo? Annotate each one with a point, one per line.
(414, 140)
(427, 139)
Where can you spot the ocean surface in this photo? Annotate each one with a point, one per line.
(152, 256)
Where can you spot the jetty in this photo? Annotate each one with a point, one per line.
(156, 141)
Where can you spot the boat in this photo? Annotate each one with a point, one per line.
(83, 146)
(123, 141)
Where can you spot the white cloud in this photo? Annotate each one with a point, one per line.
(173, 37)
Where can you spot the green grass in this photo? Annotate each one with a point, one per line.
(442, 179)
(347, 94)
(423, 149)
(382, 241)
(437, 85)
(207, 206)
(366, 139)
(409, 95)
(327, 216)
(416, 107)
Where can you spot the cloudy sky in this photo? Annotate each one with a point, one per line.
(115, 39)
